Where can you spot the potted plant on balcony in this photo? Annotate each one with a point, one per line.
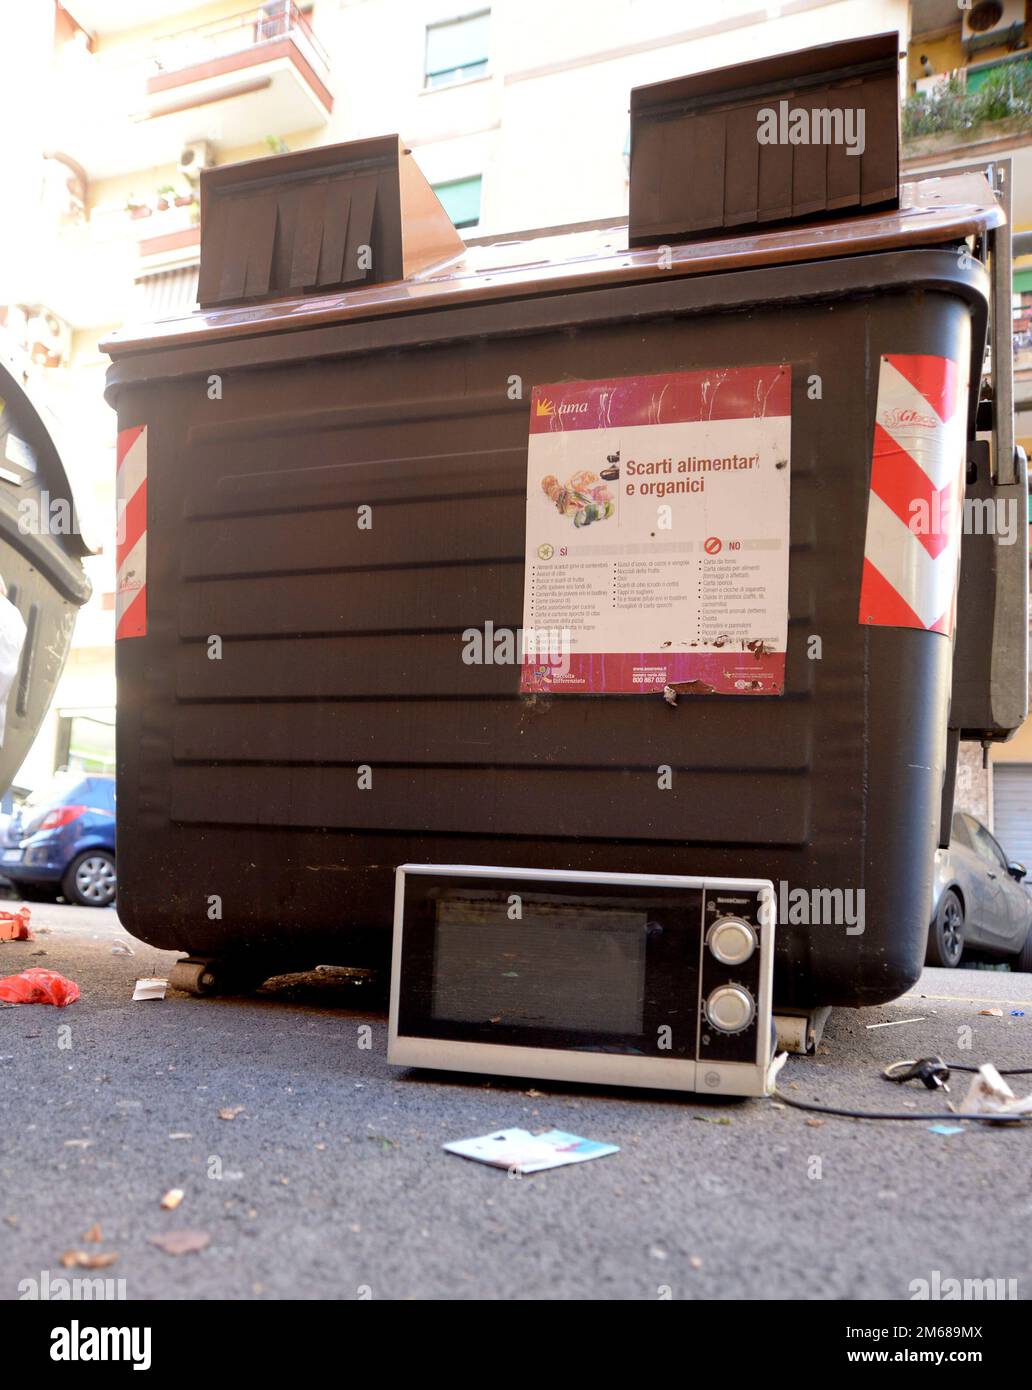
(185, 198)
(136, 209)
(165, 194)
(953, 114)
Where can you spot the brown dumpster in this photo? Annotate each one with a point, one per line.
(355, 488)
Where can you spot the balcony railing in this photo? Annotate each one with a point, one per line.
(267, 23)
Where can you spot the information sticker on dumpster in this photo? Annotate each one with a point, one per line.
(658, 534)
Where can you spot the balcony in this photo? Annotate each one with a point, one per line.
(190, 65)
(235, 82)
(956, 117)
(976, 114)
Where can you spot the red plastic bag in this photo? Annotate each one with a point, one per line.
(38, 986)
(14, 926)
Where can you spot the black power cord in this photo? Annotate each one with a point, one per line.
(1001, 1071)
(925, 1070)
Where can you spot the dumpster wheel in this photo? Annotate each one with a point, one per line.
(206, 977)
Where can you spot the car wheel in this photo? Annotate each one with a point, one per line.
(90, 879)
(1023, 960)
(946, 934)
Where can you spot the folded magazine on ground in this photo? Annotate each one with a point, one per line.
(530, 1153)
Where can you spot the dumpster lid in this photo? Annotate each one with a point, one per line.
(328, 218)
(714, 150)
(933, 211)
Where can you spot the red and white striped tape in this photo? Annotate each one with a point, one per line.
(915, 509)
(131, 546)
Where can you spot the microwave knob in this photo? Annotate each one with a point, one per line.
(730, 1008)
(731, 940)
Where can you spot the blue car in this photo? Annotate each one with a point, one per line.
(62, 840)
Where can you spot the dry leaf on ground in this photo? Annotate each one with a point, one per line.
(85, 1259)
(181, 1242)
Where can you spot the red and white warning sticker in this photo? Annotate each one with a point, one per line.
(131, 545)
(915, 509)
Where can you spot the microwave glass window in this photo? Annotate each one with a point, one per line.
(570, 965)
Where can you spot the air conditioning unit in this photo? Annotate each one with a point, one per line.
(992, 23)
(194, 157)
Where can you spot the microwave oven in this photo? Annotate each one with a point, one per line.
(624, 979)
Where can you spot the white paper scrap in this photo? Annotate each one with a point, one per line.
(150, 989)
(989, 1094)
(522, 1152)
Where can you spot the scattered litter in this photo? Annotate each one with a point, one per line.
(990, 1013)
(86, 1259)
(39, 986)
(896, 1022)
(1017, 1013)
(94, 1235)
(230, 1112)
(946, 1129)
(989, 1094)
(180, 1134)
(14, 926)
(150, 989)
(78, 1143)
(121, 949)
(523, 1152)
(815, 1122)
(695, 1262)
(172, 1198)
(534, 1095)
(713, 1119)
(181, 1242)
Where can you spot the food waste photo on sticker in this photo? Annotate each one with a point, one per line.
(586, 497)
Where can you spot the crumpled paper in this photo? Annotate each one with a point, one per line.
(989, 1094)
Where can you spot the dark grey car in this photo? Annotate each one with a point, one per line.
(980, 903)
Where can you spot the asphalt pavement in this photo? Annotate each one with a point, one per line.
(330, 1182)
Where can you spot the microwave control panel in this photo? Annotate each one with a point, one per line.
(733, 927)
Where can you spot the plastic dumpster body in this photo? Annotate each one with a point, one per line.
(295, 718)
(41, 552)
